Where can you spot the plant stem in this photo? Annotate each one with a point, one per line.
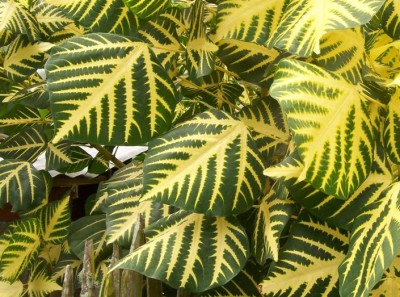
(108, 155)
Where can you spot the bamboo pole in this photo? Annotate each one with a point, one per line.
(68, 283)
(87, 273)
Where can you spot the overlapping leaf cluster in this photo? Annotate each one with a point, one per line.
(273, 135)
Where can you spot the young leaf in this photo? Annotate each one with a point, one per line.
(331, 126)
(215, 147)
(92, 76)
(185, 251)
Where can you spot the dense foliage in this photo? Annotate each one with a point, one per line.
(273, 143)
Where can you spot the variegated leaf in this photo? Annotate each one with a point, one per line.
(328, 208)
(11, 289)
(200, 50)
(23, 58)
(245, 283)
(248, 20)
(184, 251)
(343, 52)
(69, 31)
(270, 131)
(55, 219)
(39, 283)
(390, 18)
(16, 19)
(390, 282)
(304, 22)
(147, 8)
(391, 136)
(21, 185)
(249, 60)
(27, 145)
(50, 18)
(163, 35)
(308, 261)
(271, 217)
(116, 71)
(212, 146)
(66, 157)
(21, 251)
(18, 118)
(374, 243)
(331, 126)
(89, 228)
(96, 15)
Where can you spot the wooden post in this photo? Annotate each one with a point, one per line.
(183, 293)
(68, 284)
(116, 274)
(87, 274)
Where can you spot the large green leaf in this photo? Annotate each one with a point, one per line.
(16, 19)
(200, 51)
(374, 243)
(248, 60)
(343, 52)
(248, 20)
(336, 212)
(191, 251)
(27, 145)
(66, 157)
(21, 185)
(96, 15)
(215, 147)
(392, 128)
(23, 57)
(147, 8)
(390, 18)
(304, 22)
(21, 251)
(308, 261)
(331, 126)
(107, 88)
(271, 217)
(268, 124)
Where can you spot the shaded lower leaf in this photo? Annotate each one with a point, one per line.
(11, 289)
(192, 251)
(39, 283)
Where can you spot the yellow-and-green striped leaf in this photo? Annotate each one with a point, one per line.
(392, 128)
(390, 282)
(54, 221)
(343, 52)
(200, 50)
(271, 217)
(249, 60)
(11, 289)
(331, 126)
(39, 283)
(21, 185)
(163, 36)
(374, 243)
(245, 283)
(147, 8)
(191, 251)
(66, 157)
(16, 19)
(50, 18)
(248, 20)
(304, 22)
(390, 18)
(266, 120)
(96, 15)
(18, 118)
(106, 88)
(332, 210)
(308, 261)
(21, 251)
(213, 146)
(23, 57)
(27, 145)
